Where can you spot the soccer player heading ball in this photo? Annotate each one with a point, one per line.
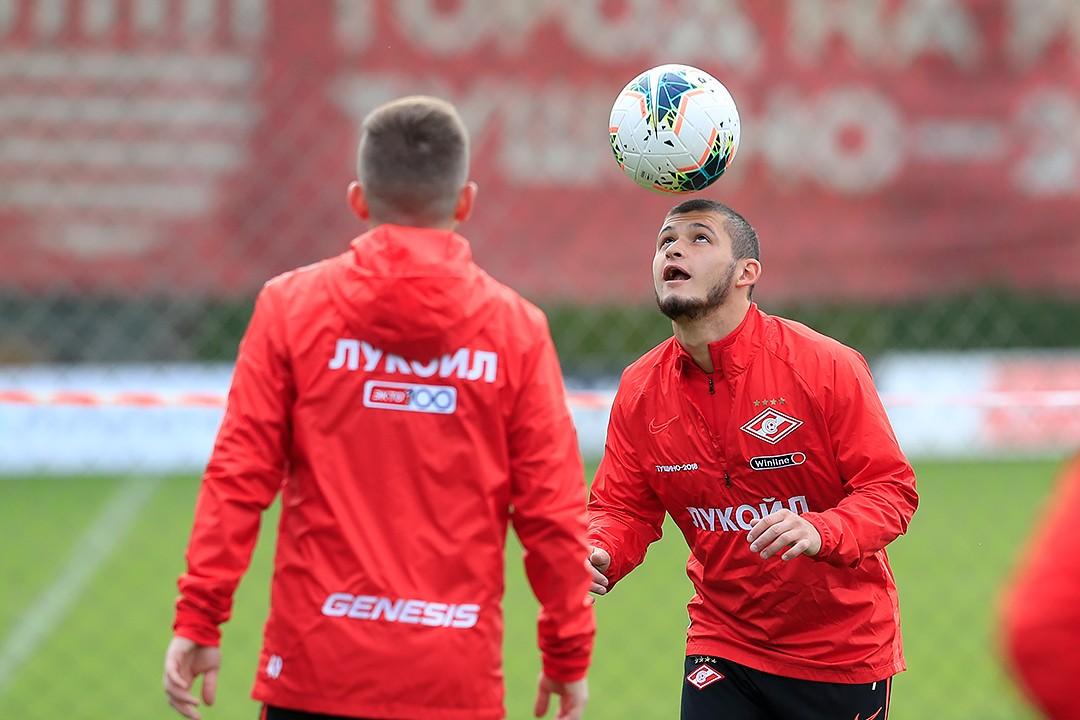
(767, 444)
(402, 402)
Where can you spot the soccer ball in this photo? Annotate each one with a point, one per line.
(674, 129)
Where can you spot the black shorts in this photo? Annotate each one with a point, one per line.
(716, 689)
(269, 712)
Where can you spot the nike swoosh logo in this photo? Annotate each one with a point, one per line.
(657, 429)
(871, 717)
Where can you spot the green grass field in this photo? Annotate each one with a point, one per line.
(85, 639)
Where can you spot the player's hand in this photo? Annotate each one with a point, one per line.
(572, 698)
(783, 529)
(185, 660)
(598, 563)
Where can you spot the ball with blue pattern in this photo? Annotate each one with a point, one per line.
(674, 129)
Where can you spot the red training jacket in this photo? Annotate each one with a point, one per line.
(792, 421)
(407, 406)
(1042, 610)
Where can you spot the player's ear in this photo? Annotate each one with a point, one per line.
(465, 202)
(354, 195)
(749, 274)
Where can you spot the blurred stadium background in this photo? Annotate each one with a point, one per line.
(912, 166)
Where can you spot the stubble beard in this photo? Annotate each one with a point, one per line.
(683, 309)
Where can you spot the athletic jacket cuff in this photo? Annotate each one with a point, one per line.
(614, 572)
(564, 669)
(202, 632)
(829, 540)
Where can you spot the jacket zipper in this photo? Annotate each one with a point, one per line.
(712, 391)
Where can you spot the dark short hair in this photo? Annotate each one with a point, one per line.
(413, 160)
(744, 239)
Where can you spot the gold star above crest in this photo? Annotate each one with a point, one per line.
(757, 403)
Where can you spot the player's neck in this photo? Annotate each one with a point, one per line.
(696, 335)
(450, 224)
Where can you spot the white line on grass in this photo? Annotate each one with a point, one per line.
(90, 552)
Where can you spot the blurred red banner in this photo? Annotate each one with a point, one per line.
(890, 149)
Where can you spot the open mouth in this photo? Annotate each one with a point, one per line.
(674, 273)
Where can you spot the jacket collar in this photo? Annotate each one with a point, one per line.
(398, 250)
(733, 353)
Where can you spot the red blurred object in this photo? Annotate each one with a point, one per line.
(1042, 608)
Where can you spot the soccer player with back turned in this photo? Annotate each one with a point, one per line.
(408, 408)
(767, 444)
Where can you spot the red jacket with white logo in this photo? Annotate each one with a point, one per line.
(407, 407)
(789, 419)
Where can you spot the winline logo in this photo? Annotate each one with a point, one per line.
(772, 462)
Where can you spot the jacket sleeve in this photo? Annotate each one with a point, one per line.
(878, 480)
(1041, 622)
(548, 513)
(625, 515)
(243, 476)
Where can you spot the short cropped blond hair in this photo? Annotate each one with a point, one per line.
(413, 160)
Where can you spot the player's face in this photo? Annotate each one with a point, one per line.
(693, 270)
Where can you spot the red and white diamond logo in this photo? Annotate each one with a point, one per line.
(772, 426)
(703, 676)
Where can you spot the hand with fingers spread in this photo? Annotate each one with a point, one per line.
(783, 529)
(185, 660)
(572, 697)
(598, 563)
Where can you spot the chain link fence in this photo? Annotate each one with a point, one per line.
(912, 168)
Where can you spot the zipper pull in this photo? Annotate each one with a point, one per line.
(727, 479)
(712, 388)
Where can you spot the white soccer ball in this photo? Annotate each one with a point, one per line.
(674, 128)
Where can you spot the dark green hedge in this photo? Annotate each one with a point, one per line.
(592, 340)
